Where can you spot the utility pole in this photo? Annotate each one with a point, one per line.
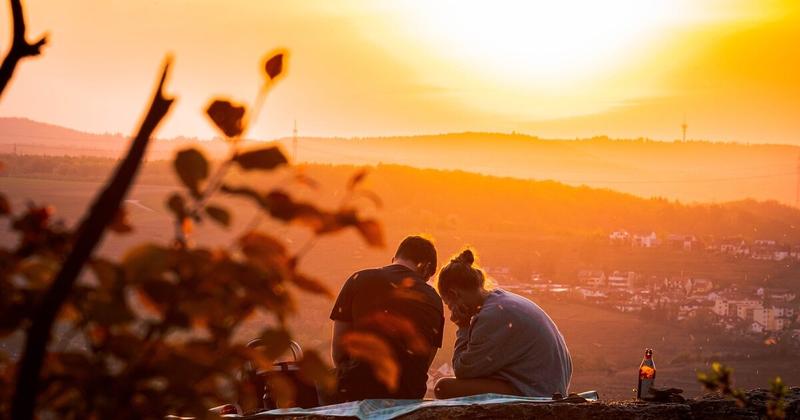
(684, 126)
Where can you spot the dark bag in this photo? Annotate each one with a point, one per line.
(281, 374)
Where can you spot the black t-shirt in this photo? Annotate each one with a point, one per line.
(396, 304)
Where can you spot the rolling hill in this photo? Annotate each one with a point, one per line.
(693, 171)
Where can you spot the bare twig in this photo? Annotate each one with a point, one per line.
(90, 232)
(20, 47)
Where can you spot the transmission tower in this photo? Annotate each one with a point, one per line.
(684, 126)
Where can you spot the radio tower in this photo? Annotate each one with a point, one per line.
(683, 128)
(294, 142)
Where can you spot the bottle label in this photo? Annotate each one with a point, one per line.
(646, 372)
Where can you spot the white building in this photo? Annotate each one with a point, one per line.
(621, 280)
(595, 278)
(646, 241)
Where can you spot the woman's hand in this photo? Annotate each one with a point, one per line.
(460, 316)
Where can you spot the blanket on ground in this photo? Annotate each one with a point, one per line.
(388, 409)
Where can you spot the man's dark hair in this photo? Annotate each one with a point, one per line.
(419, 251)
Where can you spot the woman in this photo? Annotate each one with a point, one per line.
(505, 343)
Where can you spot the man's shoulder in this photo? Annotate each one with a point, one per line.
(368, 273)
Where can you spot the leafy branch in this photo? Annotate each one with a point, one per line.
(154, 333)
(720, 379)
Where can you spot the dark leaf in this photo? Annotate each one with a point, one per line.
(274, 66)
(228, 117)
(315, 371)
(311, 285)
(120, 222)
(372, 232)
(108, 312)
(145, 261)
(376, 352)
(334, 222)
(262, 248)
(192, 168)
(266, 158)
(356, 179)
(282, 207)
(177, 205)
(39, 272)
(219, 215)
(274, 343)
(162, 293)
(68, 312)
(398, 329)
(282, 390)
(253, 355)
(5, 206)
(147, 303)
(124, 345)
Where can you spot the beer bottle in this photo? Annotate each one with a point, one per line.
(647, 375)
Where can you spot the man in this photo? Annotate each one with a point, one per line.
(395, 305)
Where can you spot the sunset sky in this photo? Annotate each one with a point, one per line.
(623, 68)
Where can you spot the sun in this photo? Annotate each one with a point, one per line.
(539, 43)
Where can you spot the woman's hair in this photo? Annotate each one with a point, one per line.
(460, 274)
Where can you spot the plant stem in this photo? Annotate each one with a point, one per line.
(90, 231)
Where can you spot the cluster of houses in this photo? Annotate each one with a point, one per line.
(763, 310)
(759, 249)
(755, 310)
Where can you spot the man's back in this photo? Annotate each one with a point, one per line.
(396, 304)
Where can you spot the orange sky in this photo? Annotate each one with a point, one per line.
(624, 68)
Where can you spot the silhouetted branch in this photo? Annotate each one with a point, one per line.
(89, 233)
(20, 47)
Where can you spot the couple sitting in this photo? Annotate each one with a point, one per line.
(505, 343)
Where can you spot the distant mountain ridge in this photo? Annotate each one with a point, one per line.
(689, 171)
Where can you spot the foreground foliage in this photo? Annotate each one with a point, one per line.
(720, 379)
(155, 332)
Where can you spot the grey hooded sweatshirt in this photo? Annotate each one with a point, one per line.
(513, 339)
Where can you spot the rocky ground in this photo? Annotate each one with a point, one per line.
(705, 407)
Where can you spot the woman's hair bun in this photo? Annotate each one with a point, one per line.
(466, 257)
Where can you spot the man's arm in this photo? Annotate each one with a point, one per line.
(337, 353)
(431, 357)
(342, 317)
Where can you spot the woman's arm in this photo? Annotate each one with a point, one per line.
(482, 348)
(337, 353)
